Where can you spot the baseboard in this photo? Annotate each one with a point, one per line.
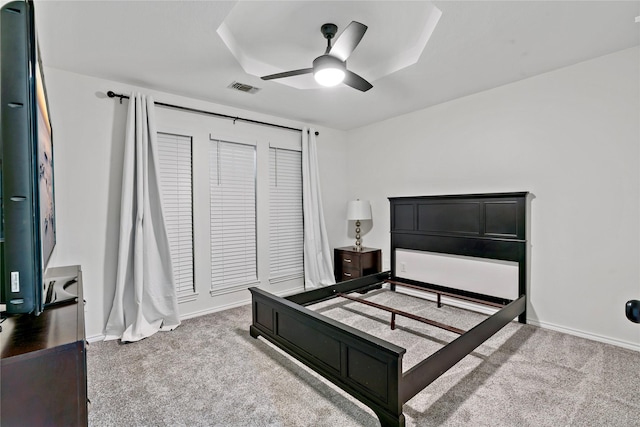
(95, 338)
(286, 292)
(428, 297)
(216, 309)
(587, 335)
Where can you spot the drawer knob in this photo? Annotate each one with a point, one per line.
(346, 259)
(347, 274)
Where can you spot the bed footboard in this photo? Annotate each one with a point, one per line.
(364, 366)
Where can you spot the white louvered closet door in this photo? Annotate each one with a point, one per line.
(232, 178)
(286, 229)
(176, 172)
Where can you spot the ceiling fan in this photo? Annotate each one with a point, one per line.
(330, 69)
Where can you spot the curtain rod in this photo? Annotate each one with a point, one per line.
(112, 94)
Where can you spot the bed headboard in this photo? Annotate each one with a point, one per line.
(489, 226)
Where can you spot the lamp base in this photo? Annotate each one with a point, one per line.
(358, 246)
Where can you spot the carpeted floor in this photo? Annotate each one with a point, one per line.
(210, 372)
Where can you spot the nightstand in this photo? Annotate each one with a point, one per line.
(351, 264)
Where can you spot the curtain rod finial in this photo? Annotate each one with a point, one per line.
(112, 94)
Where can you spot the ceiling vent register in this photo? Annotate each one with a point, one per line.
(242, 87)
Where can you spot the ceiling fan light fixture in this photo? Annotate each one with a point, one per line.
(329, 76)
(328, 70)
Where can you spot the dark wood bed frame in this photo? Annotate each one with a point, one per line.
(368, 368)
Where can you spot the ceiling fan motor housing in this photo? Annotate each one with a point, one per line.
(328, 61)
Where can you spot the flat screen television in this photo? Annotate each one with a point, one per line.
(28, 230)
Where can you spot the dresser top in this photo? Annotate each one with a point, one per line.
(55, 326)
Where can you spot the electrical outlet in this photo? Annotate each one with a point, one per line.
(403, 267)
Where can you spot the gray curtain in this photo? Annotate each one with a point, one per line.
(145, 298)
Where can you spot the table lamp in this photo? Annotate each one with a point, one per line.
(358, 210)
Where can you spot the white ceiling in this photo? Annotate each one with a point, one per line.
(174, 47)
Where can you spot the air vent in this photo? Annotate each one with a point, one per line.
(242, 87)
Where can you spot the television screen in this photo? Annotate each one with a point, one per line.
(45, 168)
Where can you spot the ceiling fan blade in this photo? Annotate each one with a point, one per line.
(348, 40)
(356, 82)
(287, 74)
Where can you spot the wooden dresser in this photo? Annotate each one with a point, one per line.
(44, 370)
(351, 264)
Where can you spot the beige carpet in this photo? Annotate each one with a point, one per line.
(210, 372)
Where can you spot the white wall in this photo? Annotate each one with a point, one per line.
(570, 137)
(88, 149)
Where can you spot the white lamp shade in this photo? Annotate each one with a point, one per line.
(359, 210)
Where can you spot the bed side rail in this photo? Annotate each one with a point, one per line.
(424, 373)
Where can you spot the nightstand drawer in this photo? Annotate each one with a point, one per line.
(348, 274)
(350, 261)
